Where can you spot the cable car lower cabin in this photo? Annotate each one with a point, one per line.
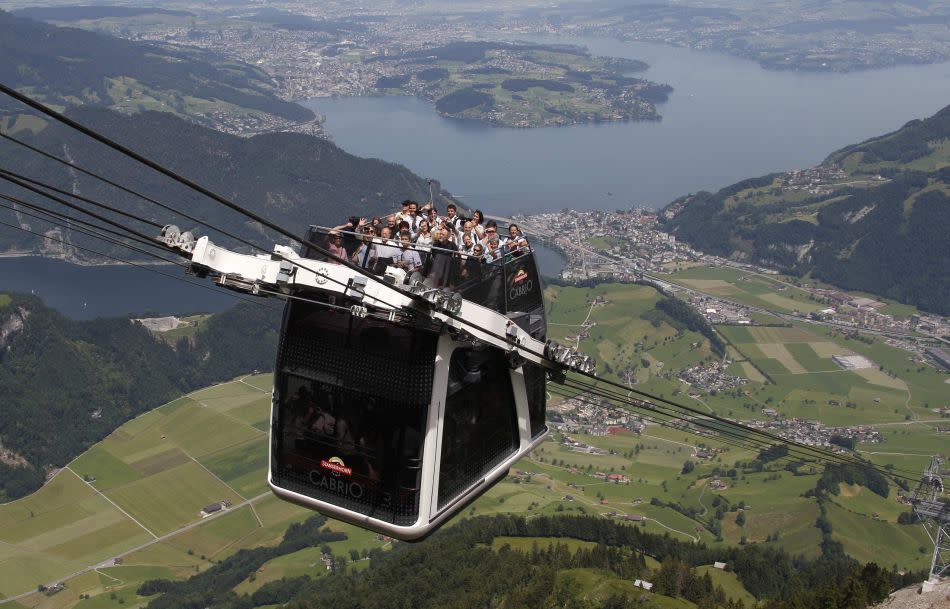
(396, 427)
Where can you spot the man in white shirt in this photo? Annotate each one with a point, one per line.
(452, 217)
(516, 242)
(385, 247)
(408, 258)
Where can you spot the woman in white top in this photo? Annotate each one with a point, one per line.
(479, 219)
(423, 238)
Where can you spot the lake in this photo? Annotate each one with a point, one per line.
(87, 292)
(727, 119)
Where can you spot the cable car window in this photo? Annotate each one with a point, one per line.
(536, 390)
(352, 400)
(480, 428)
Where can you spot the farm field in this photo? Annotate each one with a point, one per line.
(144, 486)
(746, 288)
(792, 372)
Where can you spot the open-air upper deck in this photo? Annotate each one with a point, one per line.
(506, 280)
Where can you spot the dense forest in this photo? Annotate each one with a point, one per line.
(291, 179)
(888, 239)
(66, 384)
(459, 568)
(463, 99)
(65, 65)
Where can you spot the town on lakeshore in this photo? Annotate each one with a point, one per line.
(631, 246)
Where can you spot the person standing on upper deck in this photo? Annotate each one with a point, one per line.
(365, 255)
(515, 244)
(443, 259)
(404, 214)
(408, 258)
(452, 217)
(423, 237)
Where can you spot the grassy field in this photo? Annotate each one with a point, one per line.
(803, 382)
(61, 528)
(807, 383)
(595, 585)
(747, 288)
(730, 584)
(151, 477)
(860, 534)
(619, 338)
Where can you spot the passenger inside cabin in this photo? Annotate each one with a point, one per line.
(468, 228)
(404, 214)
(432, 215)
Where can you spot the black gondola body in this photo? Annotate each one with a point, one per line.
(396, 426)
(397, 400)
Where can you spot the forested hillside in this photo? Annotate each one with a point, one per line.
(289, 178)
(65, 66)
(872, 217)
(464, 566)
(66, 384)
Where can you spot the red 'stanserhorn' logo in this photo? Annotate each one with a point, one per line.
(336, 465)
(520, 276)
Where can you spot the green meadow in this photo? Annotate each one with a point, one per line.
(144, 486)
(803, 381)
(747, 288)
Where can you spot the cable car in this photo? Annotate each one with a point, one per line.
(389, 414)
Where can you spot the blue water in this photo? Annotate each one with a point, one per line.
(726, 120)
(84, 292)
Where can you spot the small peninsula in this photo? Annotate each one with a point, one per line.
(522, 85)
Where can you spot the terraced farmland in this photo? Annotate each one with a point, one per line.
(144, 487)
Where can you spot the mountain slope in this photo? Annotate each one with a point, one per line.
(65, 66)
(872, 217)
(66, 384)
(290, 178)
